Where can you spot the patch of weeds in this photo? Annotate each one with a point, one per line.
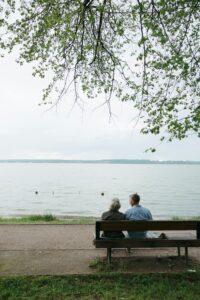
(45, 218)
(116, 265)
(101, 265)
(95, 263)
(194, 218)
(49, 219)
(123, 264)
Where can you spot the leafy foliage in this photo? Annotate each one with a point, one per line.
(144, 51)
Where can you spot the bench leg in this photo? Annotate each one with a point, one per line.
(186, 255)
(109, 255)
(179, 251)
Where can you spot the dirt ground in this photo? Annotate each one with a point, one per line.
(68, 249)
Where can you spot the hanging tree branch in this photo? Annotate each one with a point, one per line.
(144, 51)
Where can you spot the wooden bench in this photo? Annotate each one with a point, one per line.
(178, 242)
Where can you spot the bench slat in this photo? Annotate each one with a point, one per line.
(146, 225)
(146, 243)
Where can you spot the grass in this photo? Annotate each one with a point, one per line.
(51, 219)
(119, 265)
(48, 219)
(166, 263)
(101, 265)
(196, 218)
(185, 286)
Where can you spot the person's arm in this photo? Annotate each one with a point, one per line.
(126, 215)
(123, 216)
(103, 216)
(150, 216)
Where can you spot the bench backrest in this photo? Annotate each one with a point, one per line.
(146, 225)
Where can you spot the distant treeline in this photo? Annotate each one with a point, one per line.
(102, 161)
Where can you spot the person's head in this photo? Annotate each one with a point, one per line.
(115, 204)
(134, 199)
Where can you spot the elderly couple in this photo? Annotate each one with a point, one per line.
(136, 212)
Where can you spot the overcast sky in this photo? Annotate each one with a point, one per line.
(28, 131)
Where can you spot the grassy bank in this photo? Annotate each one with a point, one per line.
(48, 219)
(196, 218)
(51, 219)
(116, 286)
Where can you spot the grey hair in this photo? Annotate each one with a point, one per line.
(115, 204)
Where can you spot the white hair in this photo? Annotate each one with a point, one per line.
(115, 204)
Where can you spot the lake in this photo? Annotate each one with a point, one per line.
(75, 189)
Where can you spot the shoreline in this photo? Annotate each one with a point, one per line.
(101, 161)
(48, 219)
(52, 219)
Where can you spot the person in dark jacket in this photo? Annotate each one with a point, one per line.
(113, 214)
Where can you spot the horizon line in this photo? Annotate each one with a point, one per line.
(107, 160)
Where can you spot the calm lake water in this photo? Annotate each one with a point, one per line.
(75, 189)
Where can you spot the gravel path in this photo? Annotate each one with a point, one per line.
(68, 249)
